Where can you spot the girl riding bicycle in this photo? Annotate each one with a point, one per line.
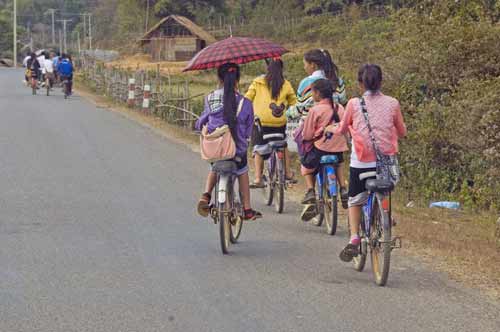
(322, 114)
(387, 124)
(271, 95)
(318, 64)
(221, 109)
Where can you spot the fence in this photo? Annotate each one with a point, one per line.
(148, 91)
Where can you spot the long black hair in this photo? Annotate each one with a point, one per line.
(371, 77)
(229, 74)
(325, 90)
(274, 76)
(323, 60)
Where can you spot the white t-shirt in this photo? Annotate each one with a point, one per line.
(48, 66)
(355, 163)
(41, 61)
(25, 61)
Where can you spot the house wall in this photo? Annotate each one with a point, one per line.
(174, 49)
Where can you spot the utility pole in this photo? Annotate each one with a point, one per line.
(79, 45)
(15, 34)
(52, 13)
(90, 31)
(65, 21)
(60, 42)
(84, 28)
(147, 16)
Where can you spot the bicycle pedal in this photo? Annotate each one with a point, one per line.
(394, 222)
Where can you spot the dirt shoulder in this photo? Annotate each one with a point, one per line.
(461, 244)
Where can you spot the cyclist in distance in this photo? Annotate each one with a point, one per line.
(65, 70)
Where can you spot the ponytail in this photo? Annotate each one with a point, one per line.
(229, 74)
(323, 60)
(274, 77)
(325, 89)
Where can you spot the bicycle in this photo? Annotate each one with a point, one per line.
(228, 208)
(47, 83)
(65, 87)
(34, 85)
(274, 176)
(328, 193)
(376, 228)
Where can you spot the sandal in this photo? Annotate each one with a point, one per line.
(204, 205)
(309, 212)
(349, 252)
(251, 214)
(257, 185)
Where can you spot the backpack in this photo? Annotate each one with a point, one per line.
(303, 146)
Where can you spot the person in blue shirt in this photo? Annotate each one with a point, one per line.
(65, 70)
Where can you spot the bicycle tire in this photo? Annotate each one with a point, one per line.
(237, 224)
(33, 87)
(330, 206)
(224, 224)
(380, 252)
(279, 190)
(268, 178)
(360, 260)
(47, 84)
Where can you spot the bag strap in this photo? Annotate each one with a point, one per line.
(370, 130)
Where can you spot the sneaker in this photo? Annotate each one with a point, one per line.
(250, 214)
(344, 197)
(309, 198)
(309, 212)
(204, 205)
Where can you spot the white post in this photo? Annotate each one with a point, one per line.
(131, 92)
(145, 101)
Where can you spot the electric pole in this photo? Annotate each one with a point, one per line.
(65, 21)
(147, 16)
(52, 12)
(90, 31)
(15, 34)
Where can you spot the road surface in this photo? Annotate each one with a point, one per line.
(98, 232)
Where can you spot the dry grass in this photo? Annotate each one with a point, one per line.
(144, 62)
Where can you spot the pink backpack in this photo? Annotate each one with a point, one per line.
(218, 145)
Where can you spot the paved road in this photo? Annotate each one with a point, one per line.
(98, 233)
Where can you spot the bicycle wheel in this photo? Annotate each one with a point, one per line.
(318, 220)
(279, 189)
(380, 243)
(360, 260)
(33, 86)
(225, 223)
(269, 180)
(236, 220)
(330, 211)
(47, 85)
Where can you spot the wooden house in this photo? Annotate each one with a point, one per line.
(175, 38)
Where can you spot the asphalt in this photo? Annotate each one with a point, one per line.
(98, 232)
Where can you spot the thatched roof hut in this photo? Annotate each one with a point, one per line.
(175, 38)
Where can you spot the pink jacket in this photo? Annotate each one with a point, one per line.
(385, 118)
(319, 117)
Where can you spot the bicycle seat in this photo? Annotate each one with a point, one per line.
(224, 166)
(278, 144)
(379, 186)
(329, 159)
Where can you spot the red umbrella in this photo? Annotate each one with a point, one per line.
(237, 50)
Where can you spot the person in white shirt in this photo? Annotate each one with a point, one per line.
(48, 69)
(41, 61)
